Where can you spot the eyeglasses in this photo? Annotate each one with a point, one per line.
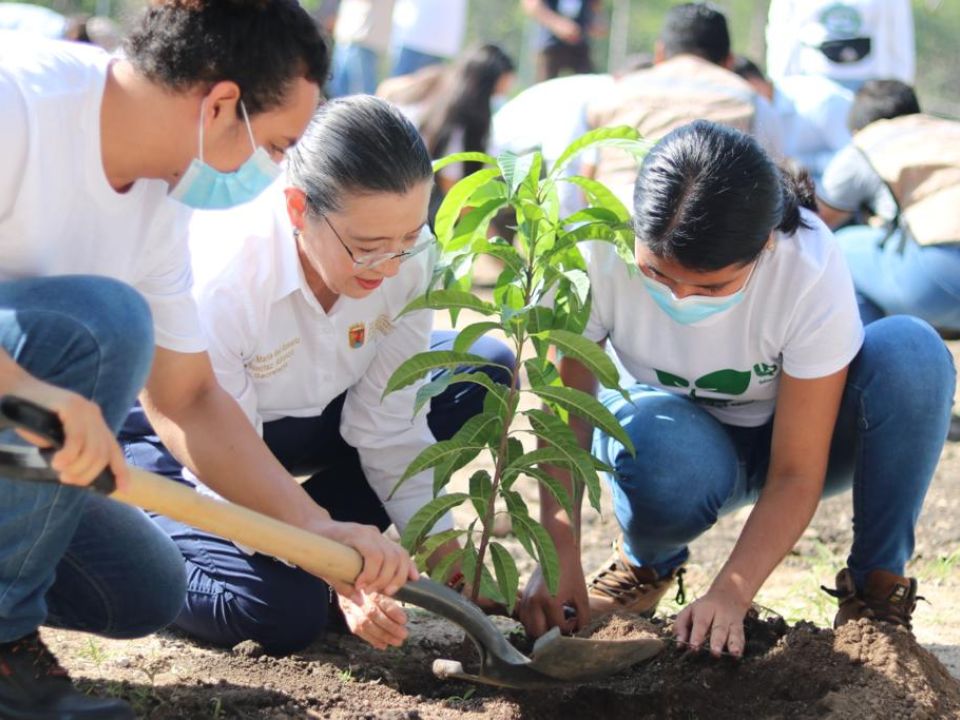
(372, 260)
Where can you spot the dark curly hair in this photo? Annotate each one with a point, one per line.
(708, 196)
(261, 45)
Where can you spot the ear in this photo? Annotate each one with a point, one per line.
(296, 206)
(220, 105)
(659, 55)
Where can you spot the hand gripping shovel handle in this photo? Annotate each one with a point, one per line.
(314, 553)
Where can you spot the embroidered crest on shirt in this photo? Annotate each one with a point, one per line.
(357, 335)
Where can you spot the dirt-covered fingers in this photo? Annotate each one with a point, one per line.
(377, 619)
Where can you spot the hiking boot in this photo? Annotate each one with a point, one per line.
(33, 686)
(619, 586)
(886, 597)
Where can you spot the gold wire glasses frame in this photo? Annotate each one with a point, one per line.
(373, 260)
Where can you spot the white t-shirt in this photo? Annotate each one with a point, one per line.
(58, 213)
(434, 27)
(797, 28)
(799, 316)
(280, 355)
(813, 114)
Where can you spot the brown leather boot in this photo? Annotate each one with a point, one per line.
(886, 597)
(619, 586)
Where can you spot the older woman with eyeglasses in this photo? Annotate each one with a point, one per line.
(299, 295)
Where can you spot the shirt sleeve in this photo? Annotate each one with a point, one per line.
(227, 318)
(597, 329)
(849, 182)
(14, 137)
(384, 431)
(168, 282)
(825, 332)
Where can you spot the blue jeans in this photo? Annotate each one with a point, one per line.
(233, 596)
(410, 60)
(68, 557)
(354, 71)
(690, 469)
(901, 277)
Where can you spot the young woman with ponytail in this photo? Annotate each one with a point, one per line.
(755, 383)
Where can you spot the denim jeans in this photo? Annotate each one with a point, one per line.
(354, 71)
(234, 596)
(899, 276)
(690, 469)
(410, 60)
(68, 557)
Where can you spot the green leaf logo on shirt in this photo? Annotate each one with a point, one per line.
(763, 370)
(726, 382)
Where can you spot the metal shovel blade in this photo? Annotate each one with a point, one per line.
(556, 659)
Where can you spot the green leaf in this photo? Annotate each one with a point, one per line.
(506, 253)
(474, 224)
(426, 517)
(554, 487)
(458, 197)
(480, 489)
(479, 157)
(505, 570)
(587, 352)
(622, 136)
(538, 375)
(441, 571)
(412, 370)
(546, 551)
(514, 168)
(430, 390)
(587, 407)
(556, 432)
(599, 194)
(494, 389)
(580, 282)
(471, 333)
(446, 299)
(488, 587)
(431, 543)
(436, 454)
(476, 432)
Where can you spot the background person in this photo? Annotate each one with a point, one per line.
(300, 293)
(427, 32)
(563, 38)
(91, 245)
(812, 111)
(756, 383)
(848, 42)
(902, 172)
(362, 38)
(690, 79)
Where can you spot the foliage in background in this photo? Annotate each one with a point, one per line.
(541, 300)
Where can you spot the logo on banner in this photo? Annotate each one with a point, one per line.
(356, 335)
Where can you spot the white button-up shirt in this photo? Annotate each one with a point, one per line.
(276, 350)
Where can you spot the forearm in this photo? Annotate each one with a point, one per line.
(543, 14)
(213, 438)
(562, 528)
(776, 523)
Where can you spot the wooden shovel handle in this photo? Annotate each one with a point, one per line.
(314, 553)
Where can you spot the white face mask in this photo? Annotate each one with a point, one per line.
(694, 308)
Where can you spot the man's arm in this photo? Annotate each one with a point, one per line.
(206, 430)
(560, 25)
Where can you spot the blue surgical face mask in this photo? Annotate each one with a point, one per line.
(693, 308)
(205, 188)
(497, 102)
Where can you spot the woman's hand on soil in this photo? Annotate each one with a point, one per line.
(386, 565)
(89, 445)
(714, 621)
(539, 611)
(378, 619)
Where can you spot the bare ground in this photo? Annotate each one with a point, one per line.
(861, 671)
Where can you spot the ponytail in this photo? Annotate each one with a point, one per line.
(797, 190)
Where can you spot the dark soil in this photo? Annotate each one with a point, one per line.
(863, 670)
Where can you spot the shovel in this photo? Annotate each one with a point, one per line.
(556, 660)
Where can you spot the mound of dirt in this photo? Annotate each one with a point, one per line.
(863, 671)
